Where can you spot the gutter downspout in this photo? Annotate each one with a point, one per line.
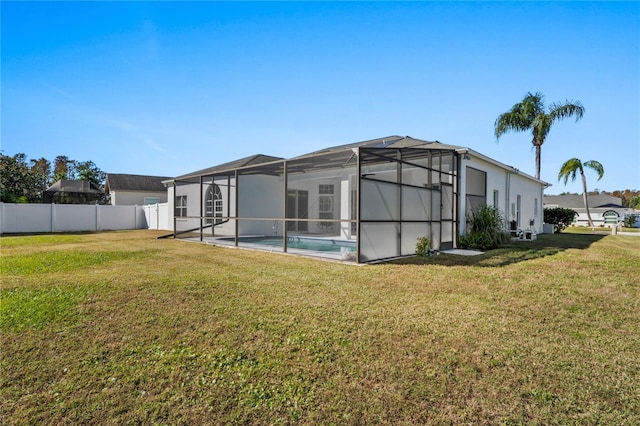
(507, 199)
(174, 210)
(457, 218)
(201, 209)
(358, 205)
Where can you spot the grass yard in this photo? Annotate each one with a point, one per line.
(121, 328)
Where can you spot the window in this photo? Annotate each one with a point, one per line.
(217, 209)
(151, 200)
(325, 207)
(181, 206)
(476, 189)
(325, 189)
(213, 204)
(518, 209)
(496, 199)
(325, 204)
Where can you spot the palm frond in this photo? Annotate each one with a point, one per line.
(512, 121)
(560, 111)
(534, 103)
(521, 115)
(570, 169)
(595, 165)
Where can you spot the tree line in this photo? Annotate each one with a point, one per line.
(23, 181)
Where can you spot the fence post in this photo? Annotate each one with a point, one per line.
(53, 217)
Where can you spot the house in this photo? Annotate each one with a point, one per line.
(126, 189)
(67, 191)
(605, 210)
(364, 201)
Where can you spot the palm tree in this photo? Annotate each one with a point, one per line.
(529, 114)
(571, 167)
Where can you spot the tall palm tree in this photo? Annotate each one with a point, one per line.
(529, 114)
(571, 167)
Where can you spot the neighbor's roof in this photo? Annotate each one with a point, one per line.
(575, 201)
(126, 182)
(74, 186)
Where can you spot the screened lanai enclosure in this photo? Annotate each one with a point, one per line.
(361, 202)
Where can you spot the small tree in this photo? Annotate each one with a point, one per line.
(16, 180)
(62, 168)
(560, 217)
(630, 220)
(571, 167)
(41, 174)
(87, 170)
(423, 245)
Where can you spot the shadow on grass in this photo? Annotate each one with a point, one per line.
(545, 245)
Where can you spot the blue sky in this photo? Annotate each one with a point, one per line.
(165, 88)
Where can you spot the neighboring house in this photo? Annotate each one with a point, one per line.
(364, 201)
(126, 189)
(67, 191)
(604, 209)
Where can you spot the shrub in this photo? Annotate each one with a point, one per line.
(630, 220)
(560, 217)
(423, 246)
(486, 229)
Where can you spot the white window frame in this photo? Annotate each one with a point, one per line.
(214, 206)
(325, 204)
(180, 209)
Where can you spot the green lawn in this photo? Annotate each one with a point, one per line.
(121, 328)
(597, 230)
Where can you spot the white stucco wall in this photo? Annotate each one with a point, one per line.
(509, 185)
(119, 198)
(260, 197)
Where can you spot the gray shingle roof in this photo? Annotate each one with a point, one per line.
(574, 201)
(252, 160)
(127, 182)
(388, 142)
(335, 154)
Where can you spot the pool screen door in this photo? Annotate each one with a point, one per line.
(297, 208)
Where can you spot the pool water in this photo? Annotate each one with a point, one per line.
(315, 244)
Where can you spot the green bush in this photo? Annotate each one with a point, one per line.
(423, 246)
(486, 229)
(629, 221)
(560, 217)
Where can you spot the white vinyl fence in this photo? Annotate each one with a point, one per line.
(157, 216)
(32, 218)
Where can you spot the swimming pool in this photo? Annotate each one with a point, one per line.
(302, 243)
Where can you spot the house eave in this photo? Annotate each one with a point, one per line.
(506, 167)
